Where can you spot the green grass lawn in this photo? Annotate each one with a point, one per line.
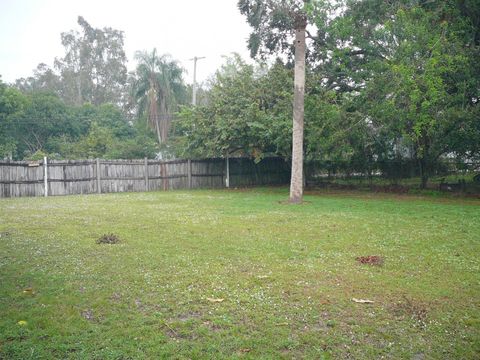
(287, 276)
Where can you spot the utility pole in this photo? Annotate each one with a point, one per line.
(194, 87)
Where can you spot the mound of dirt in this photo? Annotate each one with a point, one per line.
(370, 260)
(108, 239)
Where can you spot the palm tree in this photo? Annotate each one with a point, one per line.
(157, 89)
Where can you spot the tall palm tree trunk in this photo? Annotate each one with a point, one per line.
(296, 183)
(153, 113)
(164, 120)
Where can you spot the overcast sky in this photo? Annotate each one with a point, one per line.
(30, 30)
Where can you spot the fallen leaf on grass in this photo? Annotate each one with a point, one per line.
(244, 350)
(363, 301)
(29, 291)
(22, 323)
(213, 300)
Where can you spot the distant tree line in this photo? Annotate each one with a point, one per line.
(385, 81)
(88, 105)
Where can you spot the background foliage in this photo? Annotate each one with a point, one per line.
(386, 82)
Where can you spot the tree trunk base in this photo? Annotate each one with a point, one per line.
(295, 200)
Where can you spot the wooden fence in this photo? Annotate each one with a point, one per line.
(65, 177)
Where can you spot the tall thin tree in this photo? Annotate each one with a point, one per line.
(274, 23)
(296, 182)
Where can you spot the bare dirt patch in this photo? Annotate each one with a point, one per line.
(189, 316)
(410, 308)
(108, 239)
(370, 260)
(88, 315)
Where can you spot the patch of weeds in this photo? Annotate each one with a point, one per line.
(370, 260)
(108, 239)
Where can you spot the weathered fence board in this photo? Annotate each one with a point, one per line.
(65, 177)
(71, 177)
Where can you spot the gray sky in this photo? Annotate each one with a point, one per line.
(30, 30)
